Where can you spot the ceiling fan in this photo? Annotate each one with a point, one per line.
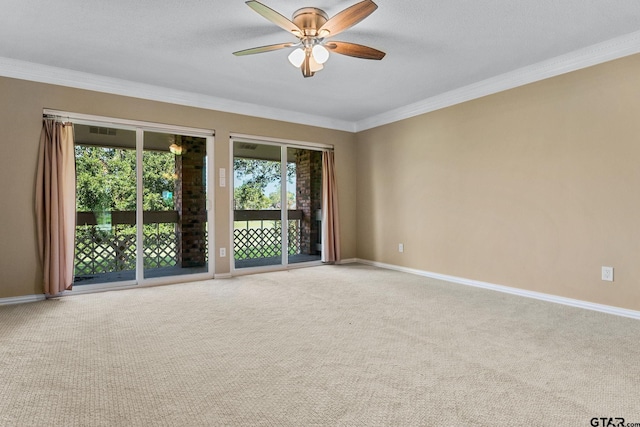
(313, 27)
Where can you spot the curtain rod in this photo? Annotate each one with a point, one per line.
(125, 123)
(287, 142)
(55, 116)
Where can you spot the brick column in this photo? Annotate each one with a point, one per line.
(316, 198)
(309, 197)
(190, 202)
(303, 198)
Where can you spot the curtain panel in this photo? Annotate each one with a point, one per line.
(330, 217)
(55, 205)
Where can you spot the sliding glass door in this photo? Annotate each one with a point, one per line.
(305, 205)
(106, 188)
(142, 205)
(174, 201)
(276, 204)
(257, 202)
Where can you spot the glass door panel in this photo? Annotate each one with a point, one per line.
(174, 199)
(257, 205)
(304, 201)
(105, 246)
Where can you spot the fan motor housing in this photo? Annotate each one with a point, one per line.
(310, 19)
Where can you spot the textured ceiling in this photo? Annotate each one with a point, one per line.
(432, 46)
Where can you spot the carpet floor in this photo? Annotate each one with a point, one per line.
(345, 345)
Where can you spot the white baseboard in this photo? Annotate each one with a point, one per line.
(348, 261)
(617, 311)
(223, 276)
(22, 299)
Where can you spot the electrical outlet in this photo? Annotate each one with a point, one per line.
(223, 252)
(607, 274)
(400, 247)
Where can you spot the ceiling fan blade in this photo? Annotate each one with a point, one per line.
(262, 49)
(275, 17)
(348, 18)
(356, 50)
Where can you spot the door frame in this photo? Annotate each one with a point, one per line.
(284, 144)
(140, 127)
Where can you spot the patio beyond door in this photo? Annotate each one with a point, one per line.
(276, 204)
(175, 231)
(141, 197)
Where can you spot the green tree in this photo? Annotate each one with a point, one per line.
(92, 193)
(158, 176)
(250, 196)
(255, 176)
(106, 179)
(274, 199)
(261, 172)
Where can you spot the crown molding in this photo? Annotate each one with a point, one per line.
(596, 54)
(32, 71)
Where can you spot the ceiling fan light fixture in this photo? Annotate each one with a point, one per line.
(320, 54)
(312, 26)
(297, 57)
(176, 149)
(314, 65)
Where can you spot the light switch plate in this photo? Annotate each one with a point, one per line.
(222, 173)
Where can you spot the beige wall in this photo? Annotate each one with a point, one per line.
(534, 188)
(21, 105)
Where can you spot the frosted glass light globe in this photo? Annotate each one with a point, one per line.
(320, 54)
(297, 57)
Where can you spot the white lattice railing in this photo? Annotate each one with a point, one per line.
(111, 248)
(101, 249)
(256, 233)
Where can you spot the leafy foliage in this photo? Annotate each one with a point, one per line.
(256, 176)
(250, 196)
(261, 172)
(106, 179)
(274, 199)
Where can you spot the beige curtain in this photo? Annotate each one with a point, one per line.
(330, 218)
(56, 205)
